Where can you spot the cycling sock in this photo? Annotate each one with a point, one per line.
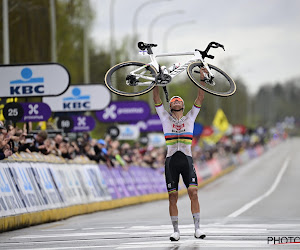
(174, 220)
(196, 217)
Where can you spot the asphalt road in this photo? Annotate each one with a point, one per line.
(247, 208)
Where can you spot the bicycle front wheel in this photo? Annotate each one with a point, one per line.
(130, 78)
(222, 84)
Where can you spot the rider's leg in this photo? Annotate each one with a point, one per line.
(172, 179)
(173, 210)
(195, 208)
(193, 194)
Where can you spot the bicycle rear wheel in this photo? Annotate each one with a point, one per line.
(222, 84)
(130, 78)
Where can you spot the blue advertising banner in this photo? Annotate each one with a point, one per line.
(124, 111)
(198, 128)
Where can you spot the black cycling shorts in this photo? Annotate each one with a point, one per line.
(177, 164)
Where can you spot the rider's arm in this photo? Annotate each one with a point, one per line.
(156, 97)
(200, 96)
(162, 113)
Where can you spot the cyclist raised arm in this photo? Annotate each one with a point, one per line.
(156, 97)
(200, 96)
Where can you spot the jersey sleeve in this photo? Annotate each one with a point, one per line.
(162, 113)
(192, 114)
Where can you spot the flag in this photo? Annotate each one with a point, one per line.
(220, 121)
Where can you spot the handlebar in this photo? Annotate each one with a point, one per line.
(143, 46)
(210, 45)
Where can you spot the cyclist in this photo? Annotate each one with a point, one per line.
(178, 131)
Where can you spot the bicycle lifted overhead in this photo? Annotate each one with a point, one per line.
(136, 78)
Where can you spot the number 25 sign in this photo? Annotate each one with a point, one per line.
(13, 111)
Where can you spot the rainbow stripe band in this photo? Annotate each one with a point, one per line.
(173, 138)
(197, 106)
(193, 185)
(173, 190)
(158, 104)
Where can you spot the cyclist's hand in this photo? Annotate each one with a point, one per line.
(203, 75)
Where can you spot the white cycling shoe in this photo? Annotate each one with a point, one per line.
(199, 234)
(175, 236)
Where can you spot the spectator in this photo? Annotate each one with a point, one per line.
(5, 149)
(58, 139)
(38, 144)
(64, 150)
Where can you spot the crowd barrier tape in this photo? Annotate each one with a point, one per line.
(35, 189)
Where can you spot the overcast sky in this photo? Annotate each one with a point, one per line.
(261, 37)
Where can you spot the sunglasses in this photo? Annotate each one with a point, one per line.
(176, 99)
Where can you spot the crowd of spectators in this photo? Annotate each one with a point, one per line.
(108, 151)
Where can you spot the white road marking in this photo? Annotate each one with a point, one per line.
(67, 235)
(266, 194)
(62, 248)
(55, 230)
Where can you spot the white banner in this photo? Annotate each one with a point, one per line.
(10, 200)
(80, 98)
(90, 178)
(65, 183)
(156, 139)
(33, 80)
(46, 185)
(128, 132)
(28, 190)
(34, 186)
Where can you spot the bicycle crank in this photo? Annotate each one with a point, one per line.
(163, 79)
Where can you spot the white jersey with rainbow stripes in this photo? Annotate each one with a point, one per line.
(178, 133)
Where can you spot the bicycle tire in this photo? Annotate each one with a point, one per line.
(114, 69)
(226, 93)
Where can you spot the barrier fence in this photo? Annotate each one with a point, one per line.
(35, 189)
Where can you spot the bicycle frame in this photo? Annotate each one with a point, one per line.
(196, 58)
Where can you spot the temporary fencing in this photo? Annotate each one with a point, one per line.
(36, 189)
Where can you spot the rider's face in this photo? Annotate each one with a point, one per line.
(176, 104)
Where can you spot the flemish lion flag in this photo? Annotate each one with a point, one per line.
(220, 121)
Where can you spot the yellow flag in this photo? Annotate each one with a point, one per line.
(1, 112)
(43, 125)
(220, 121)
